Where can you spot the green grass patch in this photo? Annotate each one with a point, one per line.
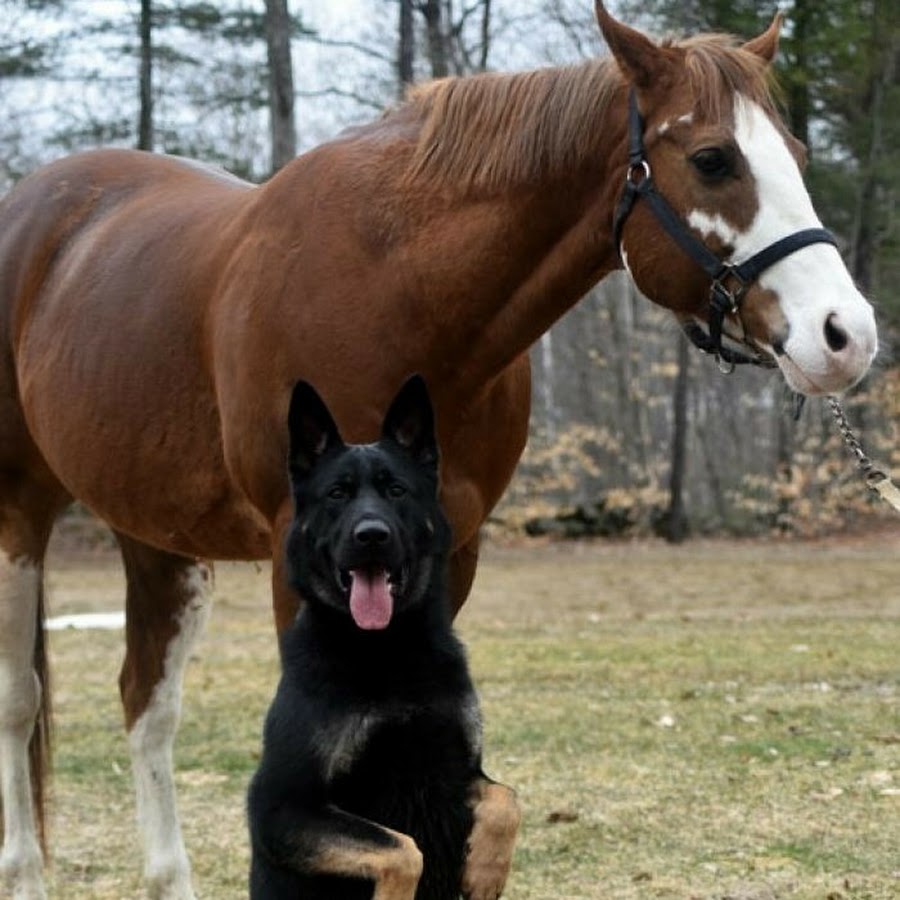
(708, 722)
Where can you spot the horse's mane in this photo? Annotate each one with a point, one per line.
(493, 129)
(487, 131)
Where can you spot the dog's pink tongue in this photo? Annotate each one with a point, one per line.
(371, 603)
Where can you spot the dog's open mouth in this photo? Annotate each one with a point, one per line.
(371, 595)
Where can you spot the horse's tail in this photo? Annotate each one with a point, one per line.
(40, 744)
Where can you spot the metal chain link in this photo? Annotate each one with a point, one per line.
(876, 479)
(866, 466)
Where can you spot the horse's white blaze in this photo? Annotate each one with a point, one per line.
(812, 284)
(151, 739)
(20, 697)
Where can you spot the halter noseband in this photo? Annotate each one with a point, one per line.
(729, 281)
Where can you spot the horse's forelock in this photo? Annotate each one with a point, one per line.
(718, 68)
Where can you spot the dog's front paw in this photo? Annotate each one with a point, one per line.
(490, 848)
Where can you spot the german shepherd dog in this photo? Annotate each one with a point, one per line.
(370, 783)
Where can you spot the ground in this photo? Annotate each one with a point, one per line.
(717, 720)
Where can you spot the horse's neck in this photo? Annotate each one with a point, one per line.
(503, 256)
(481, 272)
(499, 272)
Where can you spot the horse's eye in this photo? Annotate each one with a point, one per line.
(713, 162)
(338, 492)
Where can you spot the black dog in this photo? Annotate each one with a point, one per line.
(372, 748)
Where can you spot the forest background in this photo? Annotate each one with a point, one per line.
(632, 431)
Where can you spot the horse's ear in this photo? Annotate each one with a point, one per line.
(640, 60)
(410, 421)
(765, 45)
(312, 429)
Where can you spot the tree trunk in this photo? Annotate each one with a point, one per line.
(406, 47)
(885, 52)
(145, 119)
(676, 529)
(798, 89)
(785, 440)
(281, 83)
(485, 35)
(437, 38)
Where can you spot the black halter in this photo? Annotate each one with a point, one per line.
(729, 281)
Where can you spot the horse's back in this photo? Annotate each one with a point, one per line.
(43, 218)
(108, 260)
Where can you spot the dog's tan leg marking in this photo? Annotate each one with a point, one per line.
(490, 849)
(395, 870)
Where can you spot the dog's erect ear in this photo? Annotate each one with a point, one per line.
(410, 421)
(312, 430)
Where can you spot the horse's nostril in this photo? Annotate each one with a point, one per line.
(371, 532)
(835, 336)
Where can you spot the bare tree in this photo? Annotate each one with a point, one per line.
(884, 75)
(676, 527)
(458, 35)
(281, 83)
(145, 116)
(406, 48)
(485, 35)
(438, 37)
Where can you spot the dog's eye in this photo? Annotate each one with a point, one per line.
(396, 489)
(338, 492)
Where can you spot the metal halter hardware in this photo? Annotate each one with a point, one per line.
(729, 281)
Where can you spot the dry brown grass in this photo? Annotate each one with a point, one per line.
(711, 721)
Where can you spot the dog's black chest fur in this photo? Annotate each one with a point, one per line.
(383, 726)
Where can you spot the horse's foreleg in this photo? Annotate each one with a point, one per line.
(167, 605)
(20, 697)
(462, 566)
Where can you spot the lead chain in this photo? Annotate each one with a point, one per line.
(876, 479)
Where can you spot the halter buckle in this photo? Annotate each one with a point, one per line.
(724, 300)
(641, 169)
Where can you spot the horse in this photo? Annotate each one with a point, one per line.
(156, 315)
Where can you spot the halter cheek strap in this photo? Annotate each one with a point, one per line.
(729, 281)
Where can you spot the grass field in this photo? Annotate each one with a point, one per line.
(713, 721)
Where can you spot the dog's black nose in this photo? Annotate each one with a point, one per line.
(371, 533)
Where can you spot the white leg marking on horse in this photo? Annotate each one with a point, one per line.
(20, 695)
(151, 740)
(813, 283)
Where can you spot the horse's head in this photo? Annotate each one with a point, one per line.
(718, 153)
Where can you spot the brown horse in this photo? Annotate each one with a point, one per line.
(156, 314)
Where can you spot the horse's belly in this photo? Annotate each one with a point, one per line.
(131, 429)
(152, 487)
(222, 528)
(181, 503)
